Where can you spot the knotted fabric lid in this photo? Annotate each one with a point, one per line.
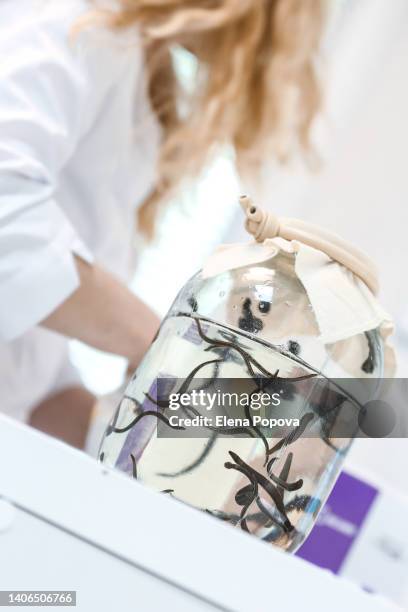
(262, 224)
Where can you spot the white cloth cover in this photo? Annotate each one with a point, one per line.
(342, 303)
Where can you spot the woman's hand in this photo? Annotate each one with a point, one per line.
(105, 314)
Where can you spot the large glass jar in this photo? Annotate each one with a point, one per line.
(253, 323)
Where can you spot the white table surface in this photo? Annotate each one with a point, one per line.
(68, 523)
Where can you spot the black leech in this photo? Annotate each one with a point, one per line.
(153, 413)
(245, 495)
(247, 358)
(294, 434)
(299, 503)
(370, 363)
(223, 516)
(184, 387)
(265, 484)
(267, 512)
(248, 322)
(264, 307)
(294, 347)
(134, 468)
(281, 480)
(284, 475)
(192, 302)
(269, 464)
(196, 463)
(111, 426)
(223, 343)
(256, 429)
(282, 351)
(249, 499)
(284, 485)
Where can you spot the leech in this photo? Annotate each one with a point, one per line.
(300, 503)
(234, 519)
(232, 338)
(322, 401)
(196, 463)
(264, 306)
(223, 343)
(222, 516)
(287, 486)
(245, 495)
(248, 322)
(277, 348)
(134, 468)
(329, 416)
(294, 347)
(239, 351)
(341, 451)
(369, 364)
(249, 360)
(294, 434)
(256, 429)
(101, 456)
(268, 513)
(153, 413)
(137, 405)
(243, 520)
(185, 385)
(213, 377)
(268, 486)
(264, 482)
(249, 500)
(274, 347)
(231, 431)
(192, 302)
(275, 535)
(270, 463)
(284, 474)
(112, 425)
(301, 428)
(277, 447)
(281, 480)
(167, 491)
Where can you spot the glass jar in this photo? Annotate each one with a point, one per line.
(254, 325)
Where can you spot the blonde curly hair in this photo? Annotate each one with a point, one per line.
(256, 86)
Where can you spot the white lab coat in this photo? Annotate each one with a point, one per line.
(78, 145)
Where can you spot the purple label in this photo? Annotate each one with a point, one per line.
(339, 523)
(140, 434)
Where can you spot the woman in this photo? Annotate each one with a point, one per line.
(94, 131)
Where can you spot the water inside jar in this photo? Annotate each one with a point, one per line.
(274, 495)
